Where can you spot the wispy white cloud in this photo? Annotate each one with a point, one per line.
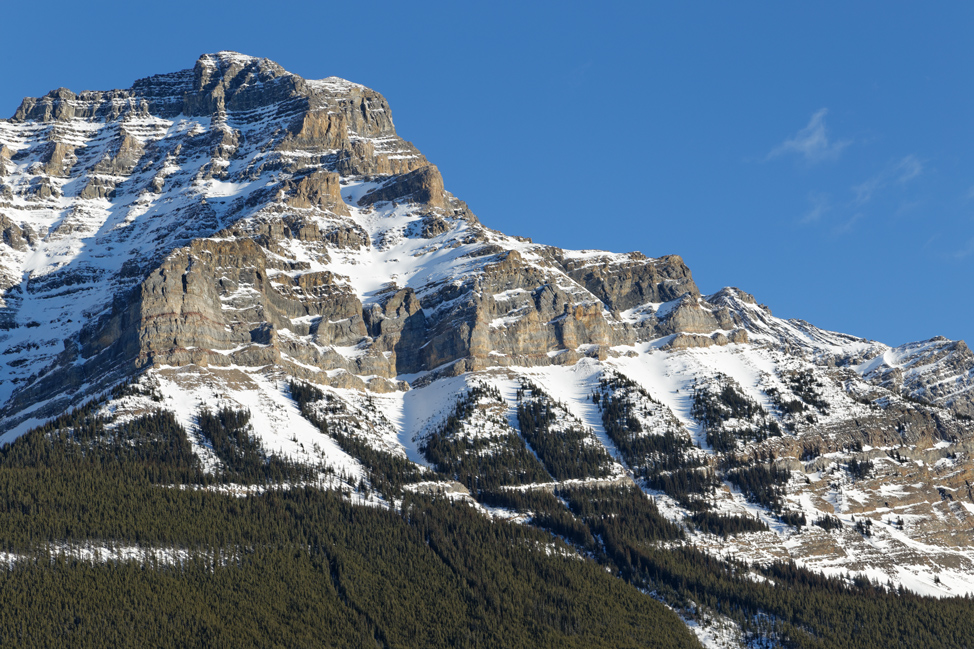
(901, 171)
(819, 207)
(908, 168)
(812, 142)
(910, 206)
(864, 191)
(843, 228)
(578, 75)
(966, 251)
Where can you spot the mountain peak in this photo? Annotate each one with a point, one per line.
(221, 231)
(228, 57)
(227, 64)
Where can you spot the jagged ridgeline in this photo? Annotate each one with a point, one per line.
(265, 381)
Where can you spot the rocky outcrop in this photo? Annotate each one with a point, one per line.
(624, 282)
(398, 328)
(698, 340)
(434, 226)
(41, 189)
(17, 236)
(5, 154)
(55, 105)
(319, 130)
(121, 161)
(232, 82)
(362, 159)
(423, 186)
(938, 370)
(234, 240)
(319, 190)
(98, 187)
(688, 316)
(58, 160)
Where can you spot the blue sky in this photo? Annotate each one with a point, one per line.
(818, 155)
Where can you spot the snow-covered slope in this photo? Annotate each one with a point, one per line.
(223, 235)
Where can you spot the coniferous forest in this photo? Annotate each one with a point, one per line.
(115, 536)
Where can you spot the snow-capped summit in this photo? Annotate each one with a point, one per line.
(215, 233)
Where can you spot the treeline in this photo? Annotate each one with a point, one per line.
(725, 525)
(762, 483)
(566, 452)
(302, 567)
(804, 384)
(297, 567)
(788, 407)
(791, 606)
(294, 567)
(828, 523)
(620, 516)
(547, 512)
(664, 462)
(242, 457)
(388, 473)
(156, 446)
(859, 469)
(786, 606)
(481, 462)
(714, 409)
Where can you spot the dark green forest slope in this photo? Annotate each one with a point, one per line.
(295, 566)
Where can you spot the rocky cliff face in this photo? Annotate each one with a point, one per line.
(236, 214)
(215, 231)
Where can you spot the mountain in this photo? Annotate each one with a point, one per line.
(259, 267)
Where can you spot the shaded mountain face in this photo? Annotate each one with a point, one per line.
(221, 234)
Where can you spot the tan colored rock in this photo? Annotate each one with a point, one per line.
(348, 235)
(433, 226)
(319, 130)
(739, 336)
(632, 281)
(319, 190)
(689, 316)
(689, 341)
(14, 235)
(537, 323)
(98, 187)
(423, 186)
(125, 158)
(683, 340)
(214, 303)
(361, 159)
(55, 105)
(368, 113)
(228, 82)
(59, 160)
(303, 228)
(41, 189)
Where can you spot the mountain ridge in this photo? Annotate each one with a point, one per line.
(230, 236)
